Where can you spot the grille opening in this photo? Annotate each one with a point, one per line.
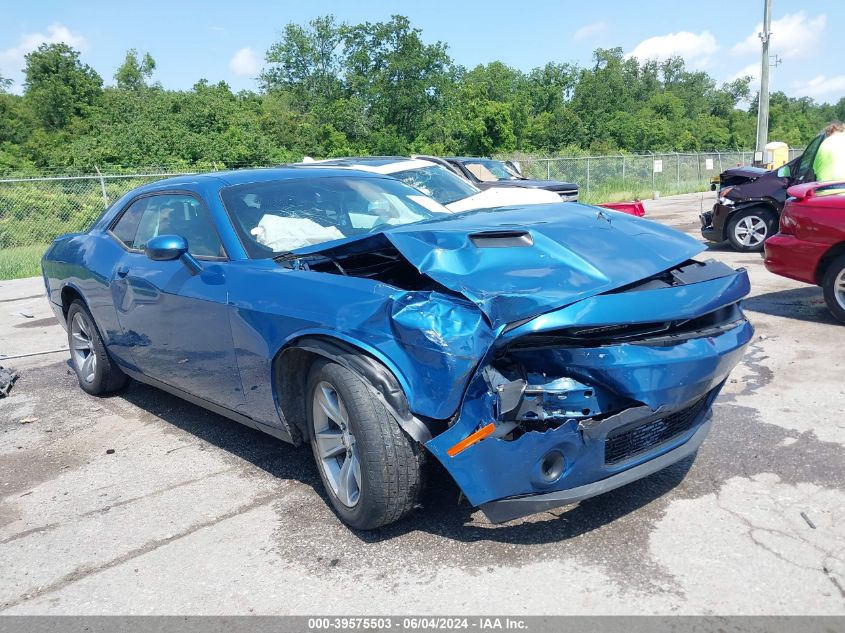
(627, 442)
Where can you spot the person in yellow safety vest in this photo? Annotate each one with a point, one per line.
(829, 163)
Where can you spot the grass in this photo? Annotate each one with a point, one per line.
(17, 262)
(616, 193)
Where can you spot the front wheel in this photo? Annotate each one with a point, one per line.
(833, 286)
(371, 470)
(748, 229)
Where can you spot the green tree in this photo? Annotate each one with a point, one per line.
(135, 72)
(391, 69)
(332, 88)
(58, 85)
(306, 61)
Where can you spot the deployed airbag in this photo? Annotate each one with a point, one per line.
(285, 234)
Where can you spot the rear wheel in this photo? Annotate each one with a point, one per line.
(833, 285)
(748, 229)
(370, 468)
(96, 372)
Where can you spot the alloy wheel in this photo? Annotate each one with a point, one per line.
(337, 452)
(750, 230)
(839, 288)
(82, 347)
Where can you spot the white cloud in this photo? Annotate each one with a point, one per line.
(589, 31)
(821, 87)
(794, 36)
(697, 49)
(752, 70)
(244, 62)
(12, 59)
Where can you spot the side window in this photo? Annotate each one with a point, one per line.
(127, 225)
(169, 214)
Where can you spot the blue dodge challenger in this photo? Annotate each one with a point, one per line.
(543, 354)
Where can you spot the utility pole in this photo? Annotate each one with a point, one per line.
(763, 99)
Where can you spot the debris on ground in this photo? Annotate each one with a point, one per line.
(807, 519)
(8, 377)
(29, 420)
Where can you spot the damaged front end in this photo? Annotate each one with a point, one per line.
(600, 393)
(551, 357)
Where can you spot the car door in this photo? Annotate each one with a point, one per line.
(804, 171)
(174, 320)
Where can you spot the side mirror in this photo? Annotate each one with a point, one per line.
(163, 248)
(784, 172)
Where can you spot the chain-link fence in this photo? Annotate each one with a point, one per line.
(628, 176)
(34, 210)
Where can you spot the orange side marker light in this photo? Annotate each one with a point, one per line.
(471, 439)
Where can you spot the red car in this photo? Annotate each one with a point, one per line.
(631, 208)
(810, 246)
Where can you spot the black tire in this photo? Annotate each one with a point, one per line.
(833, 285)
(749, 228)
(101, 375)
(390, 462)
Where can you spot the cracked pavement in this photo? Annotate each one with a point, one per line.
(141, 503)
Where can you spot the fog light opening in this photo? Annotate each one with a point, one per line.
(551, 468)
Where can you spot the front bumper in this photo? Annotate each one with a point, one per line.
(669, 378)
(708, 231)
(516, 507)
(713, 222)
(788, 256)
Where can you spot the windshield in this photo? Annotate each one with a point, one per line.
(277, 216)
(488, 170)
(438, 183)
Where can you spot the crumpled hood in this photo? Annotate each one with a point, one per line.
(522, 262)
(740, 175)
(746, 170)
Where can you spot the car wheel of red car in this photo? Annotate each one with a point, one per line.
(371, 470)
(748, 229)
(96, 372)
(833, 285)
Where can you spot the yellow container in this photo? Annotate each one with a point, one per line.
(778, 153)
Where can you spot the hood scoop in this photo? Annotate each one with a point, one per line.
(501, 239)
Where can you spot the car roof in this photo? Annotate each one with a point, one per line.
(461, 159)
(243, 176)
(376, 164)
(371, 161)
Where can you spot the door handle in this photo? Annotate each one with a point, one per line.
(122, 271)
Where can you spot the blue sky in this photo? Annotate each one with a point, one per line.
(215, 40)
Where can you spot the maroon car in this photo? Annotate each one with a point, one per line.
(810, 246)
(751, 199)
